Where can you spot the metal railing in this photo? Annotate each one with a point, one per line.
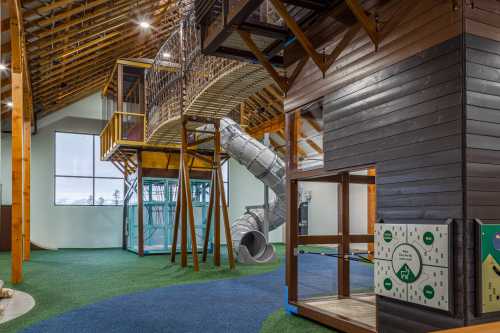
(124, 128)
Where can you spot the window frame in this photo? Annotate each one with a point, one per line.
(93, 177)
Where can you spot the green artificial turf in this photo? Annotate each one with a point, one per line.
(280, 322)
(67, 279)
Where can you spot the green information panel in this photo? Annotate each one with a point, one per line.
(411, 263)
(490, 267)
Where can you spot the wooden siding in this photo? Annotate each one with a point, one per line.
(482, 146)
(431, 22)
(483, 128)
(406, 119)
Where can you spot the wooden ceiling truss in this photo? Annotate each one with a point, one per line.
(72, 45)
(298, 19)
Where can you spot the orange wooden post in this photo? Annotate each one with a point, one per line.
(17, 145)
(27, 182)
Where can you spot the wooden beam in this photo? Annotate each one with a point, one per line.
(17, 143)
(247, 38)
(299, 34)
(27, 177)
(367, 23)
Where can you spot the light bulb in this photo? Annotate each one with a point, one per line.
(144, 25)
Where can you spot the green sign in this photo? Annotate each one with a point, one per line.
(429, 292)
(387, 236)
(387, 284)
(428, 238)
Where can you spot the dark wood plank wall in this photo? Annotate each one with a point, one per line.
(482, 113)
(429, 23)
(406, 119)
(401, 109)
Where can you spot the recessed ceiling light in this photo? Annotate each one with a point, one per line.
(144, 25)
(9, 104)
(3, 67)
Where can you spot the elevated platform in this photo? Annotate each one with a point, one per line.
(228, 88)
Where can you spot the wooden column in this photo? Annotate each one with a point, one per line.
(27, 179)
(177, 217)
(140, 205)
(17, 146)
(182, 185)
(220, 186)
(343, 261)
(218, 202)
(292, 225)
(372, 212)
(217, 199)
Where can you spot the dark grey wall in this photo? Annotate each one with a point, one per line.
(482, 111)
(406, 119)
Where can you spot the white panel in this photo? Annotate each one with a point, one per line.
(424, 249)
(431, 241)
(384, 246)
(431, 288)
(387, 283)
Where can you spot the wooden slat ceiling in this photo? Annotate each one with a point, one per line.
(72, 45)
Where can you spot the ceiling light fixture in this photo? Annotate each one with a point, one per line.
(3, 67)
(166, 55)
(144, 24)
(9, 104)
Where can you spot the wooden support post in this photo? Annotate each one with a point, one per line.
(27, 180)
(343, 262)
(292, 225)
(177, 217)
(17, 85)
(367, 23)
(217, 200)
(372, 212)
(119, 102)
(189, 203)
(182, 163)
(140, 205)
(209, 217)
(220, 184)
(17, 178)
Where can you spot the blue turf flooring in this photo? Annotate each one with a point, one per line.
(238, 305)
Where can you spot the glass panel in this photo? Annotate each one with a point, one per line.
(74, 156)
(108, 192)
(74, 191)
(309, 140)
(317, 271)
(318, 208)
(103, 168)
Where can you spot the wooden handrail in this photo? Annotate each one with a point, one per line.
(113, 131)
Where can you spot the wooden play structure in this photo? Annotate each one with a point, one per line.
(398, 83)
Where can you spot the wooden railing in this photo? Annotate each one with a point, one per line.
(124, 128)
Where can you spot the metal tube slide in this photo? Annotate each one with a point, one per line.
(247, 230)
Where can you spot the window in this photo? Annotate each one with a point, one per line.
(81, 178)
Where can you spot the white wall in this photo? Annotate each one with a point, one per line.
(63, 226)
(323, 215)
(246, 190)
